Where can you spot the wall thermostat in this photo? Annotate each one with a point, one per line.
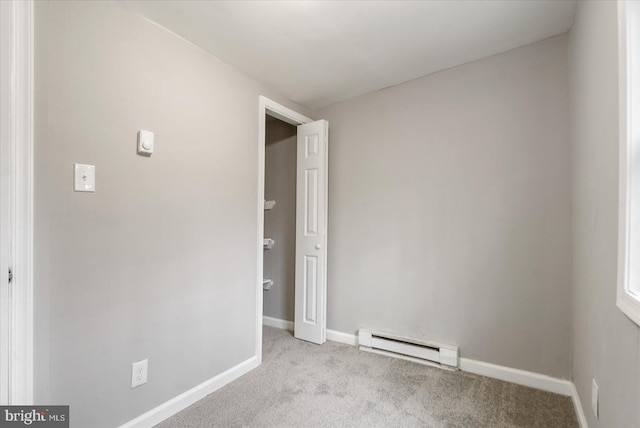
(145, 142)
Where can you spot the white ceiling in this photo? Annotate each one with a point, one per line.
(320, 52)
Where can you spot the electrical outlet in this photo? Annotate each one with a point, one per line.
(139, 373)
(594, 397)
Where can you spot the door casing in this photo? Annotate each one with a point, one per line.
(16, 201)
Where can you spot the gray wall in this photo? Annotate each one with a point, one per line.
(450, 209)
(605, 342)
(450, 212)
(41, 208)
(280, 223)
(160, 262)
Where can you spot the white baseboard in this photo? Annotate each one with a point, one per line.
(184, 400)
(577, 404)
(333, 335)
(517, 376)
(338, 336)
(277, 323)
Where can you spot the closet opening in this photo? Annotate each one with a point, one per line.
(292, 223)
(279, 221)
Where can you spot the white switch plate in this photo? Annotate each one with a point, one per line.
(84, 178)
(594, 397)
(139, 373)
(145, 142)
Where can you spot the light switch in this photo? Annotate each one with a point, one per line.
(84, 178)
(145, 142)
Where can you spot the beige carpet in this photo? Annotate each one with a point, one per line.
(335, 385)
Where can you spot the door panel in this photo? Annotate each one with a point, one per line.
(310, 290)
(311, 195)
(311, 232)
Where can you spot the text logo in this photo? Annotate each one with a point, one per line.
(34, 416)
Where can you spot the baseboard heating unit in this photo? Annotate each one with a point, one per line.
(416, 350)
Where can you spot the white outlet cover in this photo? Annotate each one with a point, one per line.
(84, 178)
(139, 373)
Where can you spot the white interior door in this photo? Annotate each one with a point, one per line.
(311, 232)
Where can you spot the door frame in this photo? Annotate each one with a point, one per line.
(266, 107)
(16, 183)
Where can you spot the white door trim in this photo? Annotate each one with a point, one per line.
(17, 172)
(272, 108)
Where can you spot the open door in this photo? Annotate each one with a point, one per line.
(311, 232)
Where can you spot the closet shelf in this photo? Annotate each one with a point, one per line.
(268, 243)
(266, 284)
(268, 205)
